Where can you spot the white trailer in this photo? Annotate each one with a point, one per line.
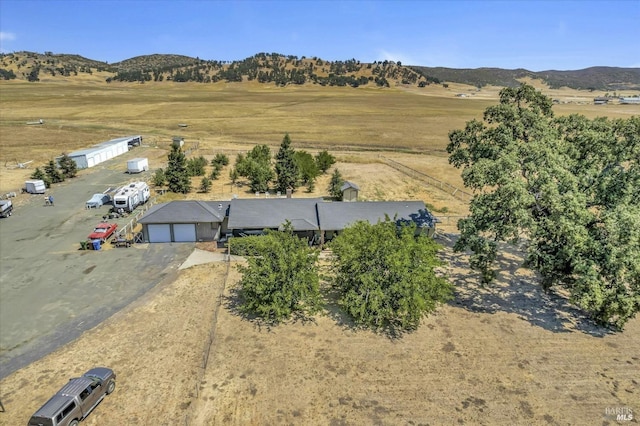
(144, 192)
(131, 196)
(35, 187)
(137, 165)
(126, 199)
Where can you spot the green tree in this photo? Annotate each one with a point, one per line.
(335, 184)
(281, 277)
(40, 175)
(568, 187)
(286, 166)
(220, 159)
(324, 161)
(307, 167)
(68, 167)
(205, 185)
(215, 172)
(233, 175)
(177, 174)
(385, 274)
(159, 178)
(196, 166)
(256, 166)
(54, 175)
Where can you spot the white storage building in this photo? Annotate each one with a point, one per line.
(104, 151)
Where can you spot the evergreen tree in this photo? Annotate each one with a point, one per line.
(177, 174)
(220, 159)
(324, 161)
(68, 167)
(335, 185)
(53, 172)
(205, 185)
(286, 166)
(195, 166)
(159, 178)
(40, 175)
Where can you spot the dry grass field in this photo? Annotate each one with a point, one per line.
(508, 354)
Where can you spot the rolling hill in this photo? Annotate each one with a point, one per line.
(282, 70)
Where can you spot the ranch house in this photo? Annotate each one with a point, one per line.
(312, 218)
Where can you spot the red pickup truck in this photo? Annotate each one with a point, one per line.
(103, 232)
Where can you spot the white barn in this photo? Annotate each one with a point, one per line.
(104, 151)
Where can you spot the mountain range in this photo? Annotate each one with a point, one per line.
(288, 69)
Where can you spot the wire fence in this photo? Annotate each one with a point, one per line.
(128, 231)
(429, 180)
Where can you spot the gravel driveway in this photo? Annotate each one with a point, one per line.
(50, 291)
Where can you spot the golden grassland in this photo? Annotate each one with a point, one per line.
(508, 354)
(84, 111)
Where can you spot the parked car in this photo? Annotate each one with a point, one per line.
(98, 200)
(103, 231)
(75, 400)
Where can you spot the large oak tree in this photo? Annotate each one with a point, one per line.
(568, 187)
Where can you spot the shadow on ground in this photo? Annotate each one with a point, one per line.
(516, 290)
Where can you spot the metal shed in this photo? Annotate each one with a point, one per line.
(101, 152)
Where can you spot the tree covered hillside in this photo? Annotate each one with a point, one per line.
(263, 68)
(288, 69)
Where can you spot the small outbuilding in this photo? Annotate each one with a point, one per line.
(349, 191)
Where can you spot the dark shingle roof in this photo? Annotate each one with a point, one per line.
(186, 212)
(305, 214)
(338, 215)
(271, 213)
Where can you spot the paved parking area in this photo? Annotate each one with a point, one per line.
(50, 290)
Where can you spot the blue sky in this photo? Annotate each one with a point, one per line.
(536, 35)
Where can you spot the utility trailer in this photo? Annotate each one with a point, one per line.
(36, 186)
(137, 165)
(6, 208)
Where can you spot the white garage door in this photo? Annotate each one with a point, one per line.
(159, 233)
(184, 232)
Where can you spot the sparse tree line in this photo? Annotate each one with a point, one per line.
(288, 169)
(56, 171)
